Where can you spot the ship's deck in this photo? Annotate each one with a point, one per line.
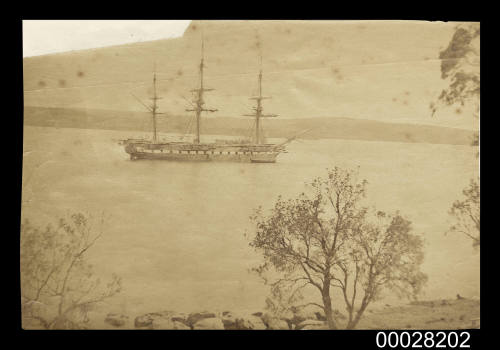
(210, 147)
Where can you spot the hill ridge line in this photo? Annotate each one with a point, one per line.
(281, 119)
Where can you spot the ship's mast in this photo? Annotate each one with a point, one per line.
(199, 102)
(154, 108)
(259, 109)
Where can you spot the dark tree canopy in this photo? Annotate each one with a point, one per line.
(460, 46)
(460, 67)
(325, 240)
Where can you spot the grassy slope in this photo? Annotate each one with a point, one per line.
(447, 314)
(340, 128)
(311, 69)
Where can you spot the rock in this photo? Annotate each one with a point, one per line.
(241, 321)
(286, 315)
(180, 317)
(167, 323)
(180, 326)
(209, 323)
(162, 323)
(320, 316)
(197, 316)
(276, 323)
(229, 320)
(311, 324)
(304, 313)
(116, 320)
(147, 319)
(307, 313)
(251, 322)
(144, 320)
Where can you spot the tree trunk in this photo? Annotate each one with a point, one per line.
(354, 323)
(327, 303)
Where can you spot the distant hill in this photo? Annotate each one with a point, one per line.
(338, 128)
(385, 71)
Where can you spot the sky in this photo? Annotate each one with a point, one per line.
(41, 37)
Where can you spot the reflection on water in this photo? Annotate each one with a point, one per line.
(175, 231)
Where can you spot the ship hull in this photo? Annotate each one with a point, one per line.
(203, 152)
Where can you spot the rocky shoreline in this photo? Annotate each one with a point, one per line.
(435, 314)
(438, 314)
(226, 320)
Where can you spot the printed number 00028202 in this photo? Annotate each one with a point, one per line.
(427, 340)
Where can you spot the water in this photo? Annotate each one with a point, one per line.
(175, 230)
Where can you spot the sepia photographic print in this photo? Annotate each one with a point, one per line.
(250, 175)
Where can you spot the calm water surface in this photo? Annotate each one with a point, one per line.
(175, 230)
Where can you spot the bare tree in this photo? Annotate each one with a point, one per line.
(58, 286)
(466, 214)
(326, 241)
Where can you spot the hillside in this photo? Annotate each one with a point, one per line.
(339, 128)
(312, 69)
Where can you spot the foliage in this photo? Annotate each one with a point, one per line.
(325, 240)
(460, 66)
(58, 286)
(466, 214)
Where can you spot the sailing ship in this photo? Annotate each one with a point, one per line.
(255, 150)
